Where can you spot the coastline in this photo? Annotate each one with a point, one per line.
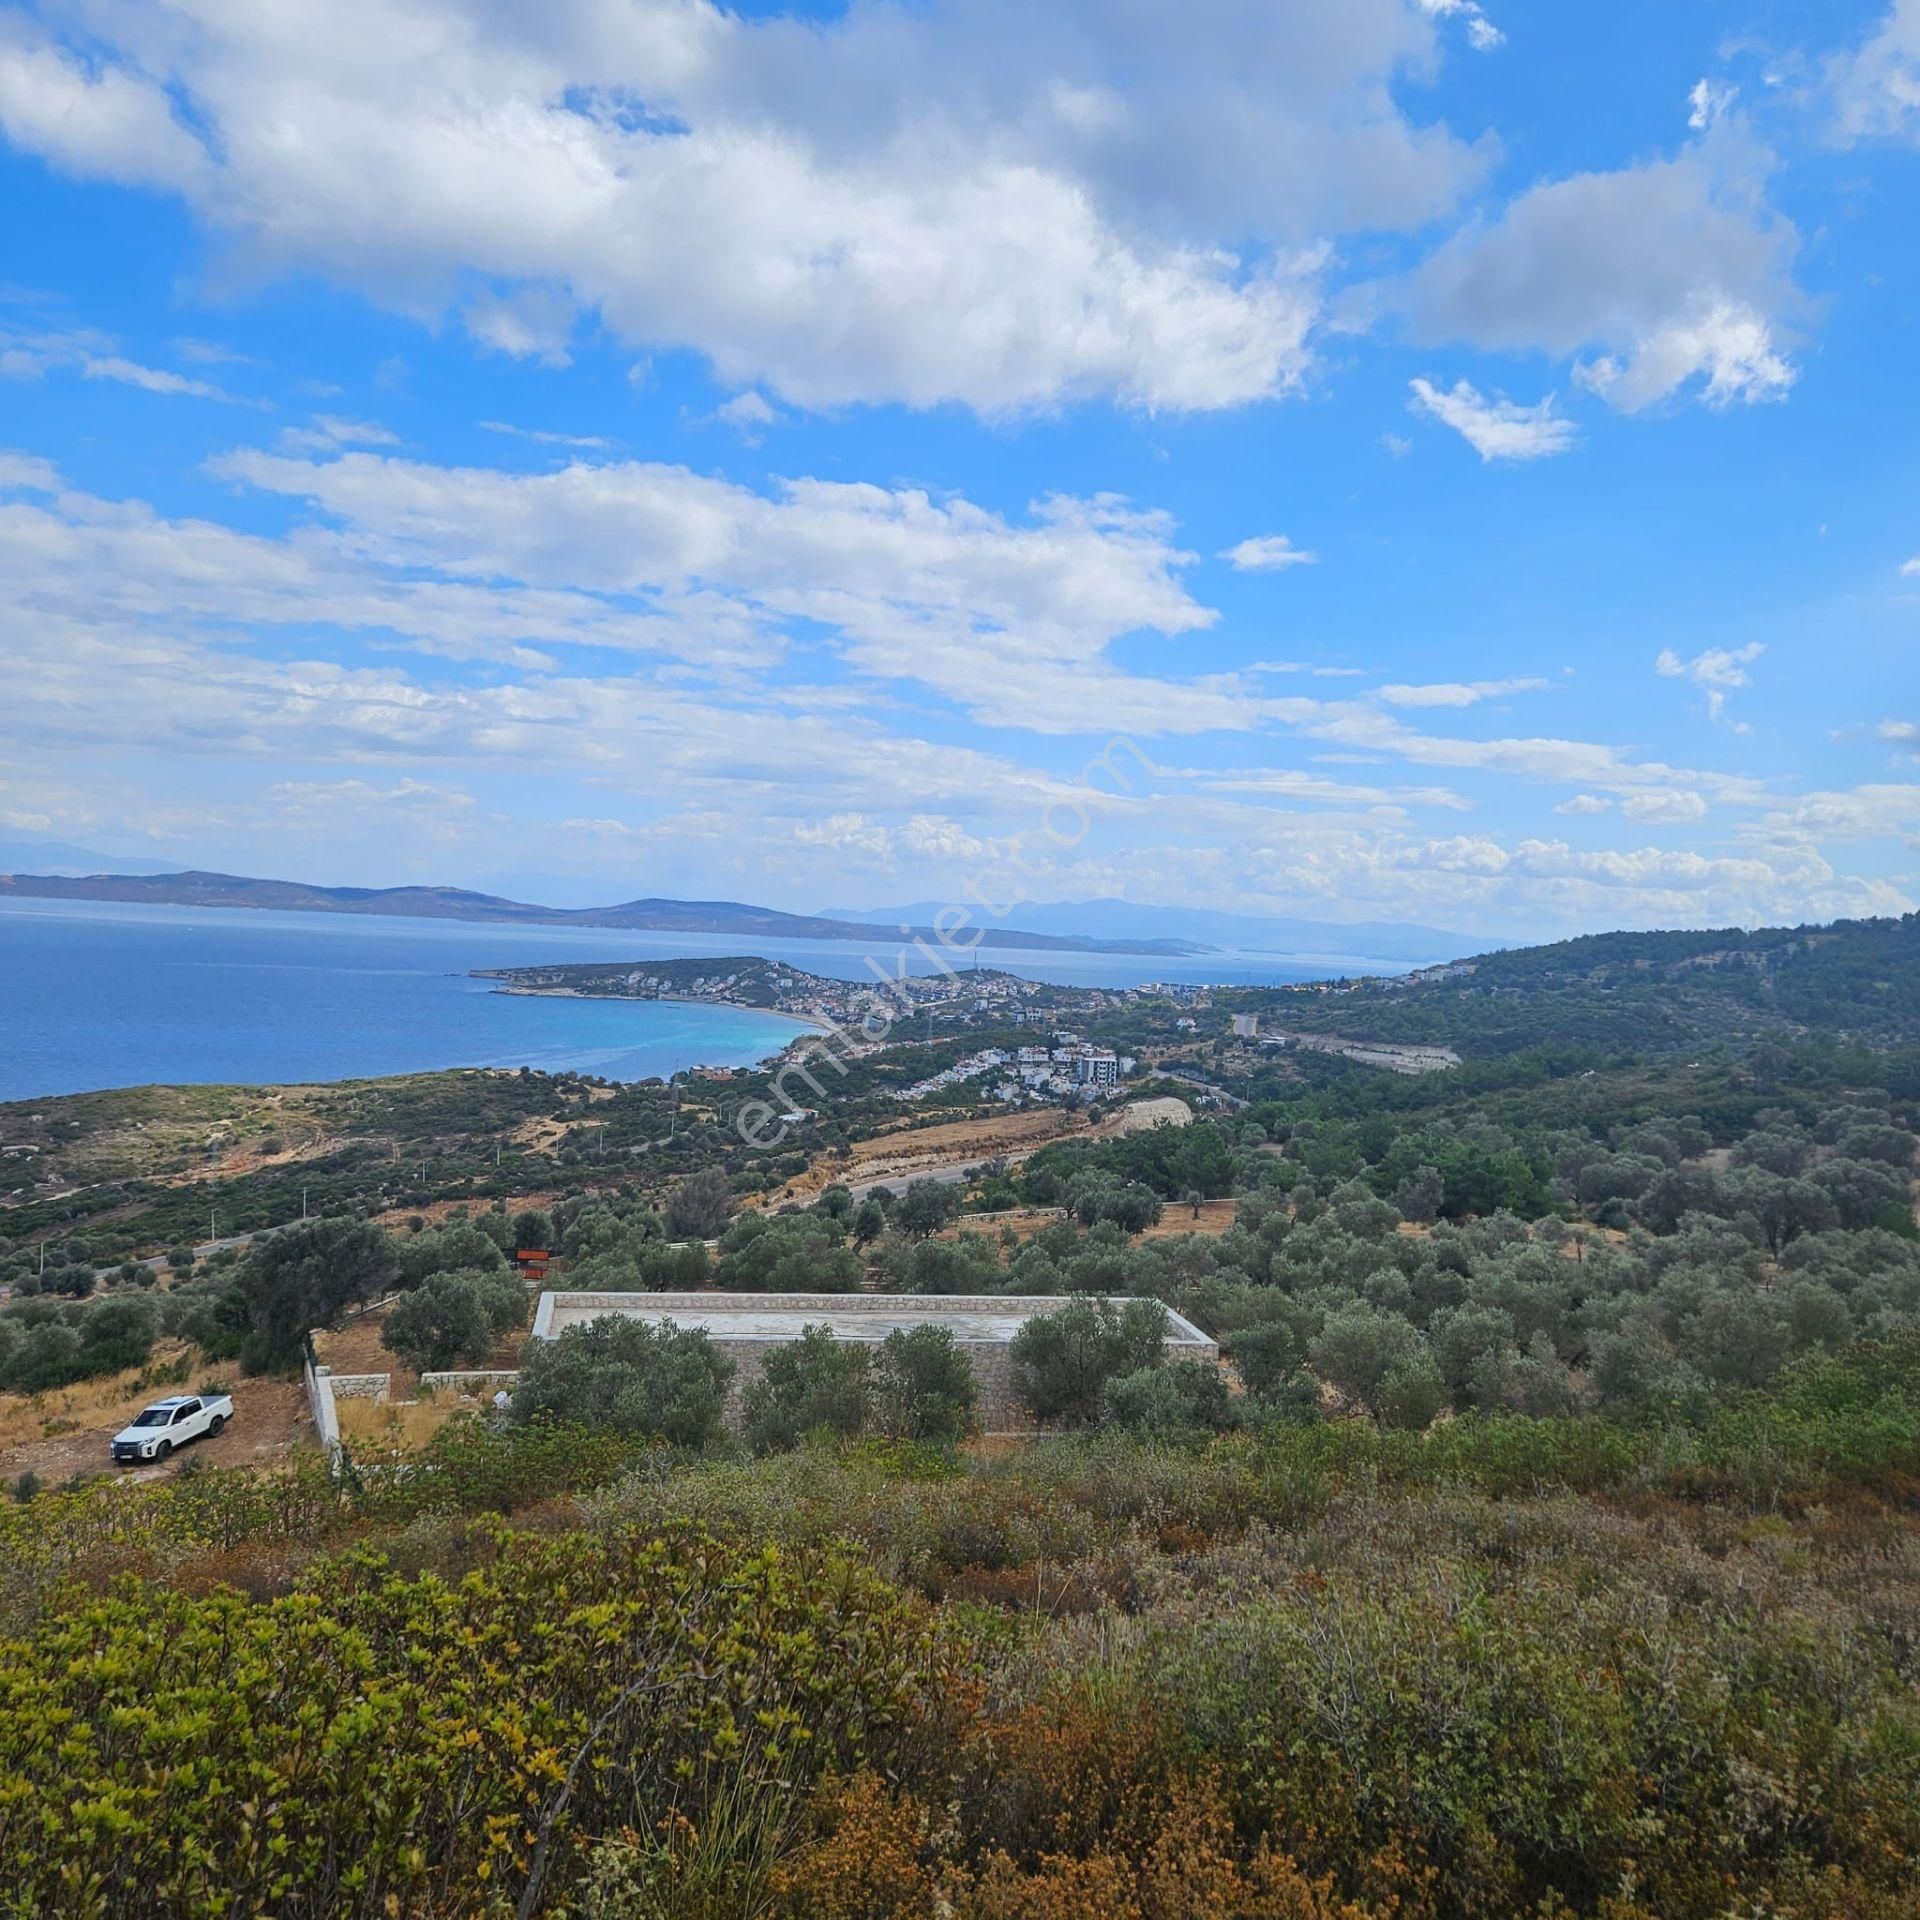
(811, 1021)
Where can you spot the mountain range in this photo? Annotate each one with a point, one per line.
(195, 889)
(1247, 933)
(58, 857)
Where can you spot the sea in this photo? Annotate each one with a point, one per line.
(97, 994)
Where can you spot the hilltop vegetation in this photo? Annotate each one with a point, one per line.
(1644, 993)
(1509, 1667)
(1554, 1549)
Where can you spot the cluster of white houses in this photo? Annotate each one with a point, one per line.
(1035, 1072)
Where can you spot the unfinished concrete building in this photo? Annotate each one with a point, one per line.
(749, 1325)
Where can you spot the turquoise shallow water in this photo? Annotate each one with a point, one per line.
(96, 995)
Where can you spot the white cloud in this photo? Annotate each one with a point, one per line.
(1457, 693)
(101, 121)
(1585, 803)
(1267, 553)
(1667, 273)
(1718, 671)
(328, 432)
(30, 354)
(1910, 568)
(914, 587)
(1482, 34)
(158, 380)
(1902, 734)
(27, 473)
(1496, 429)
(1674, 807)
(1708, 100)
(119, 568)
(1730, 347)
(984, 202)
(529, 323)
(211, 353)
(1875, 87)
(546, 437)
(747, 413)
(1874, 812)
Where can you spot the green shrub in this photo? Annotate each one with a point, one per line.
(629, 1377)
(1185, 1396)
(454, 1319)
(811, 1385)
(923, 1387)
(1061, 1361)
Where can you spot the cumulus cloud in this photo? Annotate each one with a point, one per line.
(101, 121)
(1718, 672)
(1585, 803)
(1497, 428)
(1730, 347)
(1667, 274)
(1267, 553)
(983, 202)
(1673, 807)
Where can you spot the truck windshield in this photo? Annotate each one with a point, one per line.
(155, 1417)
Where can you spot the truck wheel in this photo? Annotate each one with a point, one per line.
(214, 1425)
(163, 1449)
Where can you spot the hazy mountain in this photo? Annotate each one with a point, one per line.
(1249, 933)
(56, 856)
(458, 903)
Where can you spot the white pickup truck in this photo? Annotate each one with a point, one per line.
(171, 1423)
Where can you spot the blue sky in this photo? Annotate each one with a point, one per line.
(1467, 457)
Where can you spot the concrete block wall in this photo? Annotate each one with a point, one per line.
(760, 1314)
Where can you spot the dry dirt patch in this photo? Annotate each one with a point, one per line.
(270, 1419)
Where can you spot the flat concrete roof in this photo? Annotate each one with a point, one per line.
(974, 1319)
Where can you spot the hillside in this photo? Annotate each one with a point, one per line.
(1640, 993)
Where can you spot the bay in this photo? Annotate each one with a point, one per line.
(97, 994)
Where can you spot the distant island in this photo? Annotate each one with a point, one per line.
(195, 889)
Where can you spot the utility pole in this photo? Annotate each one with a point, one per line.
(303, 1203)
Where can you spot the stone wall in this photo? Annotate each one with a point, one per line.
(982, 1326)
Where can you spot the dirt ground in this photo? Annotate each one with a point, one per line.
(436, 1212)
(910, 1151)
(402, 1416)
(269, 1420)
(1216, 1216)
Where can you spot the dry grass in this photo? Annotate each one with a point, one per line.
(436, 1213)
(906, 1152)
(1214, 1217)
(109, 1401)
(406, 1423)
